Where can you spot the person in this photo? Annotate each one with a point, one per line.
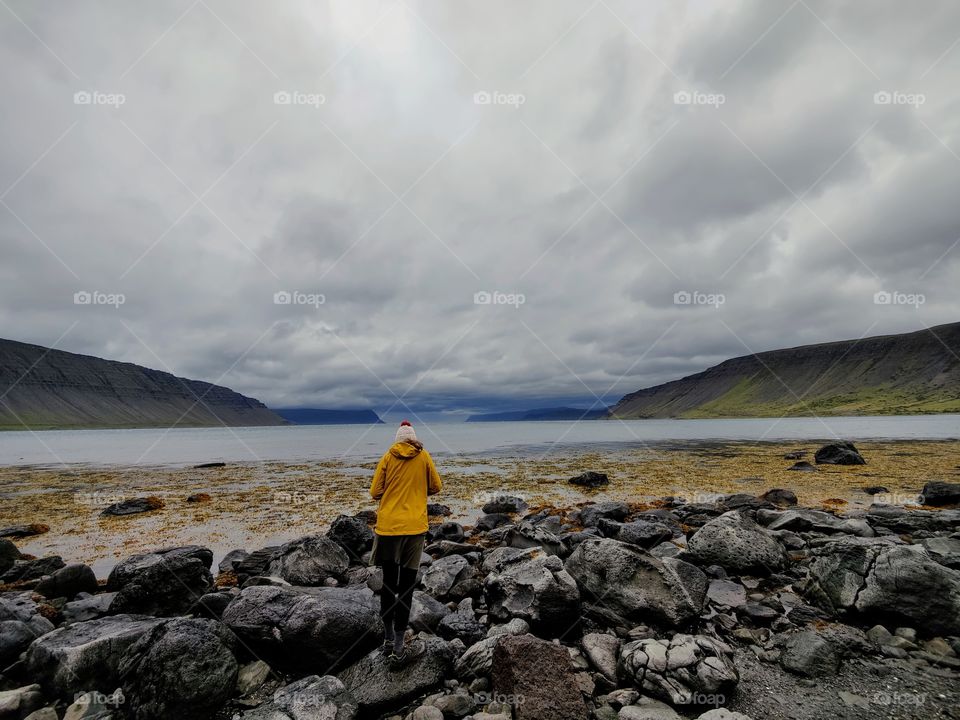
(404, 477)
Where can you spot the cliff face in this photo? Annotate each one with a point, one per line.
(915, 372)
(44, 388)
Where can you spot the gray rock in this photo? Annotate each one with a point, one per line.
(602, 651)
(723, 714)
(807, 653)
(919, 523)
(47, 713)
(444, 574)
(15, 637)
(648, 709)
(936, 493)
(170, 585)
(738, 545)
(462, 624)
(184, 667)
(85, 655)
(22, 570)
(536, 588)
(231, 560)
(309, 698)
(629, 584)
(644, 533)
(352, 534)
(945, 550)
(310, 560)
(780, 496)
(251, 676)
(20, 702)
(491, 521)
(590, 479)
(607, 509)
(68, 581)
(678, 669)
(326, 629)
(426, 612)
(133, 506)
(727, 593)
(528, 535)
(128, 569)
(806, 520)
(9, 554)
(378, 687)
(839, 453)
(505, 504)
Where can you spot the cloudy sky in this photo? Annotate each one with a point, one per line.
(641, 189)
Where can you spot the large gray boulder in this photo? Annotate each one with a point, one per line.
(444, 574)
(300, 631)
(86, 655)
(68, 581)
(809, 653)
(679, 669)
(535, 587)
(937, 493)
(170, 585)
(127, 570)
(310, 560)
(841, 452)
(181, 668)
(477, 660)
(883, 580)
(378, 687)
(807, 520)
(629, 584)
(309, 698)
(352, 534)
(738, 545)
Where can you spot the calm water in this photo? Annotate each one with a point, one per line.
(322, 442)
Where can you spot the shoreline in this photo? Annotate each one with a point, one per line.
(253, 501)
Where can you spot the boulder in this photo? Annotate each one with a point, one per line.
(23, 570)
(590, 479)
(308, 698)
(183, 667)
(20, 702)
(9, 554)
(808, 653)
(643, 533)
(535, 587)
(945, 550)
(352, 534)
(170, 585)
(937, 493)
(602, 650)
(426, 612)
(540, 673)
(22, 531)
(231, 560)
(919, 523)
(88, 608)
(477, 660)
(727, 593)
(302, 631)
(807, 520)
(839, 453)
(310, 560)
(528, 535)
(505, 504)
(679, 670)
(779, 496)
(737, 544)
(627, 583)
(85, 655)
(882, 580)
(67, 582)
(128, 569)
(438, 510)
(378, 687)
(133, 506)
(451, 531)
(491, 521)
(15, 637)
(444, 574)
(462, 624)
(609, 509)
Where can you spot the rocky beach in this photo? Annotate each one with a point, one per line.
(765, 601)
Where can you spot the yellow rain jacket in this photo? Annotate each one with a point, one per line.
(404, 477)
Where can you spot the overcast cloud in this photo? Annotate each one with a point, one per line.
(787, 188)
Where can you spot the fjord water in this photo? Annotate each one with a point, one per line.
(186, 446)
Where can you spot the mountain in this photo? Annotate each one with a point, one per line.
(916, 372)
(557, 413)
(319, 416)
(45, 388)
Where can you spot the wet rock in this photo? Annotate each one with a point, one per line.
(839, 453)
(807, 520)
(308, 698)
(676, 670)
(919, 523)
(22, 531)
(937, 493)
(128, 569)
(535, 587)
(310, 560)
(231, 560)
(85, 655)
(212, 604)
(491, 521)
(426, 612)
(165, 585)
(643, 533)
(602, 651)
(445, 574)
(462, 624)
(879, 579)
(352, 534)
(807, 653)
(67, 582)
(133, 507)
(527, 535)
(539, 672)
(451, 531)
(295, 630)
(378, 687)
(179, 668)
(590, 479)
(23, 570)
(738, 545)
(779, 496)
(505, 504)
(630, 584)
(609, 509)
(438, 510)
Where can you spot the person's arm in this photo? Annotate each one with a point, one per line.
(379, 479)
(434, 484)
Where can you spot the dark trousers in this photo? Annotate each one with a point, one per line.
(396, 596)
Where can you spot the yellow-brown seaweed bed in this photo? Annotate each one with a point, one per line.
(252, 505)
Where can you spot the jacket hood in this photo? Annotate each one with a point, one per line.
(405, 450)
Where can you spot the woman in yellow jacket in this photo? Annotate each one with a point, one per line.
(404, 477)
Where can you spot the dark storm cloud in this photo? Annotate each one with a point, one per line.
(380, 164)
